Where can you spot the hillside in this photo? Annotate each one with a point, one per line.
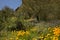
(33, 20)
(40, 9)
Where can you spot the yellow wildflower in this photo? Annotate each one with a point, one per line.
(16, 38)
(56, 31)
(55, 38)
(44, 38)
(27, 32)
(21, 33)
(47, 35)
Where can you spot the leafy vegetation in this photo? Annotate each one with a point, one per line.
(33, 20)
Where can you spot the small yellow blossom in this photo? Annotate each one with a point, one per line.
(20, 33)
(55, 38)
(44, 38)
(47, 35)
(27, 32)
(23, 33)
(16, 38)
(56, 31)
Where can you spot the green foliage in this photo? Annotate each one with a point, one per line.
(5, 17)
(41, 10)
